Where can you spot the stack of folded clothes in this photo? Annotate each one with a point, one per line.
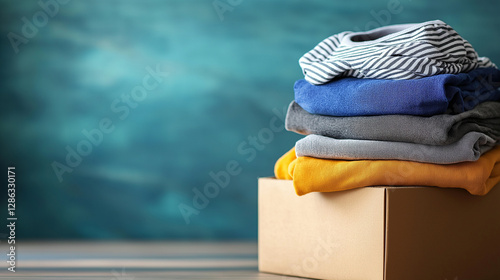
(403, 105)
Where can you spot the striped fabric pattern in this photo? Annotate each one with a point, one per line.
(406, 51)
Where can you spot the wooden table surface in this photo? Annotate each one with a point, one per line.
(136, 260)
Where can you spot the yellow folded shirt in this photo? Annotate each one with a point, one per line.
(326, 175)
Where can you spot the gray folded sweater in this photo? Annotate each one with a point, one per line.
(435, 130)
(468, 148)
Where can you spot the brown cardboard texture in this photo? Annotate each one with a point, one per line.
(379, 233)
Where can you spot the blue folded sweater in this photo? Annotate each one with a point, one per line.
(439, 94)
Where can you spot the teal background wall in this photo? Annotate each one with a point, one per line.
(231, 67)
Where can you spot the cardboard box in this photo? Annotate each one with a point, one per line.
(379, 233)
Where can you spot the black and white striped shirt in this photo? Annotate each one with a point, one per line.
(406, 51)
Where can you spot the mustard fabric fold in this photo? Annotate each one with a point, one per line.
(326, 175)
